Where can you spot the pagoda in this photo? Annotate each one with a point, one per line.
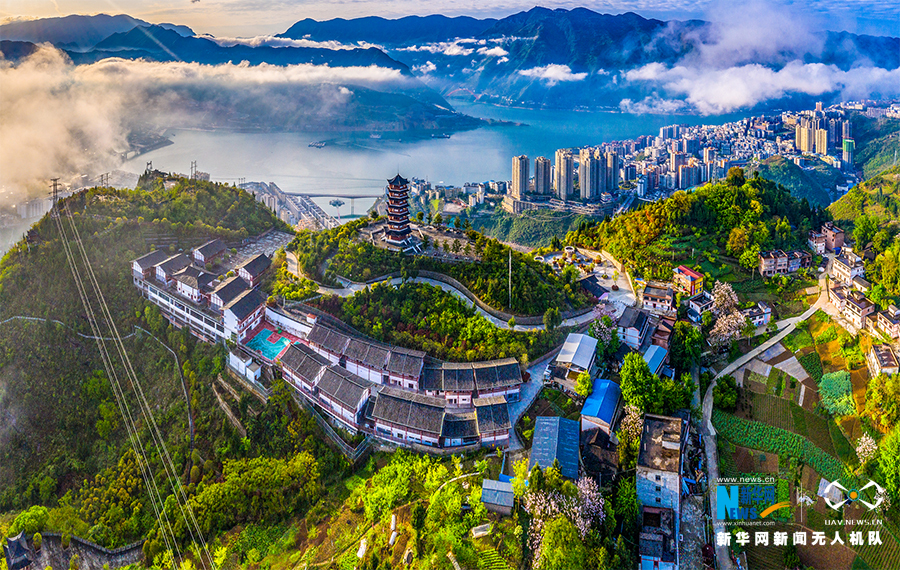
(397, 232)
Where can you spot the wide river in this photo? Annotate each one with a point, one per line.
(359, 163)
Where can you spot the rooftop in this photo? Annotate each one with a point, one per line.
(633, 318)
(244, 304)
(410, 410)
(343, 386)
(657, 536)
(654, 357)
(459, 424)
(661, 441)
(230, 288)
(603, 401)
(492, 414)
(657, 291)
(304, 362)
(195, 278)
(211, 248)
(690, 273)
(578, 350)
(256, 265)
(151, 259)
(556, 439)
(497, 493)
(884, 355)
(175, 263)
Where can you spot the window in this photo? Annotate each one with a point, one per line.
(657, 478)
(658, 500)
(657, 488)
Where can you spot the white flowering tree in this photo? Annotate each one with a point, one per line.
(604, 329)
(866, 448)
(725, 300)
(729, 327)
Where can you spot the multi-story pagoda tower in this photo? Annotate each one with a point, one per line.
(397, 232)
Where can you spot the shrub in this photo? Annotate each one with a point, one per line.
(31, 521)
(66, 539)
(828, 335)
(837, 393)
(37, 541)
(812, 364)
(725, 393)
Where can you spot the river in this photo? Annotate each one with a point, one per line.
(359, 163)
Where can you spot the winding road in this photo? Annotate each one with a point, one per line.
(351, 287)
(785, 327)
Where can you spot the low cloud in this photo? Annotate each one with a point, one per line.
(716, 91)
(273, 41)
(58, 119)
(425, 68)
(553, 73)
(496, 51)
(446, 48)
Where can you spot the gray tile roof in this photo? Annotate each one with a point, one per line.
(342, 386)
(151, 259)
(371, 355)
(195, 278)
(432, 379)
(633, 318)
(230, 288)
(244, 304)
(459, 424)
(256, 265)
(492, 413)
(497, 493)
(406, 362)
(494, 374)
(328, 339)
(556, 439)
(304, 362)
(175, 263)
(211, 248)
(410, 410)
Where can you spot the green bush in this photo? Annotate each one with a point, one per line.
(836, 391)
(31, 521)
(828, 335)
(37, 541)
(812, 364)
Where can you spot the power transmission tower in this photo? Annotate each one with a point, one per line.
(193, 169)
(55, 186)
(104, 180)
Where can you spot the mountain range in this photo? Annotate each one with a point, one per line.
(539, 58)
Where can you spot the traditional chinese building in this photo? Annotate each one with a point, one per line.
(398, 232)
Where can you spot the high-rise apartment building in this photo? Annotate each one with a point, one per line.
(565, 174)
(822, 141)
(849, 146)
(612, 172)
(588, 174)
(520, 175)
(542, 168)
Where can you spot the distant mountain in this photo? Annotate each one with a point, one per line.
(378, 30)
(14, 51)
(573, 58)
(77, 32)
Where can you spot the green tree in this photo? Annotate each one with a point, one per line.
(749, 259)
(583, 385)
(511, 323)
(31, 521)
(520, 476)
(725, 393)
(639, 385)
(562, 548)
(735, 177)
(864, 229)
(552, 318)
(685, 347)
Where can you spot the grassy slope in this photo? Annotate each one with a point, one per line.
(876, 143)
(810, 184)
(532, 229)
(863, 198)
(48, 426)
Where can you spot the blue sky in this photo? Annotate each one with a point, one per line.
(256, 17)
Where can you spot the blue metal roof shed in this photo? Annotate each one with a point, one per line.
(556, 439)
(603, 403)
(655, 356)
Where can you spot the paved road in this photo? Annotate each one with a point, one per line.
(350, 288)
(785, 327)
(528, 394)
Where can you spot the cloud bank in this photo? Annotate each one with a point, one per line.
(58, 119)
(273, 41)
(762, 59)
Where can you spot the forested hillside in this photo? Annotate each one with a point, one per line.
(534, 228)
(813, 184)
(60, 425)
(878, 196)
(737, 217)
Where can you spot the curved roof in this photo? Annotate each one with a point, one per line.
(398, 181)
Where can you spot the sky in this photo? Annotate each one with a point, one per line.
(256, 17)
